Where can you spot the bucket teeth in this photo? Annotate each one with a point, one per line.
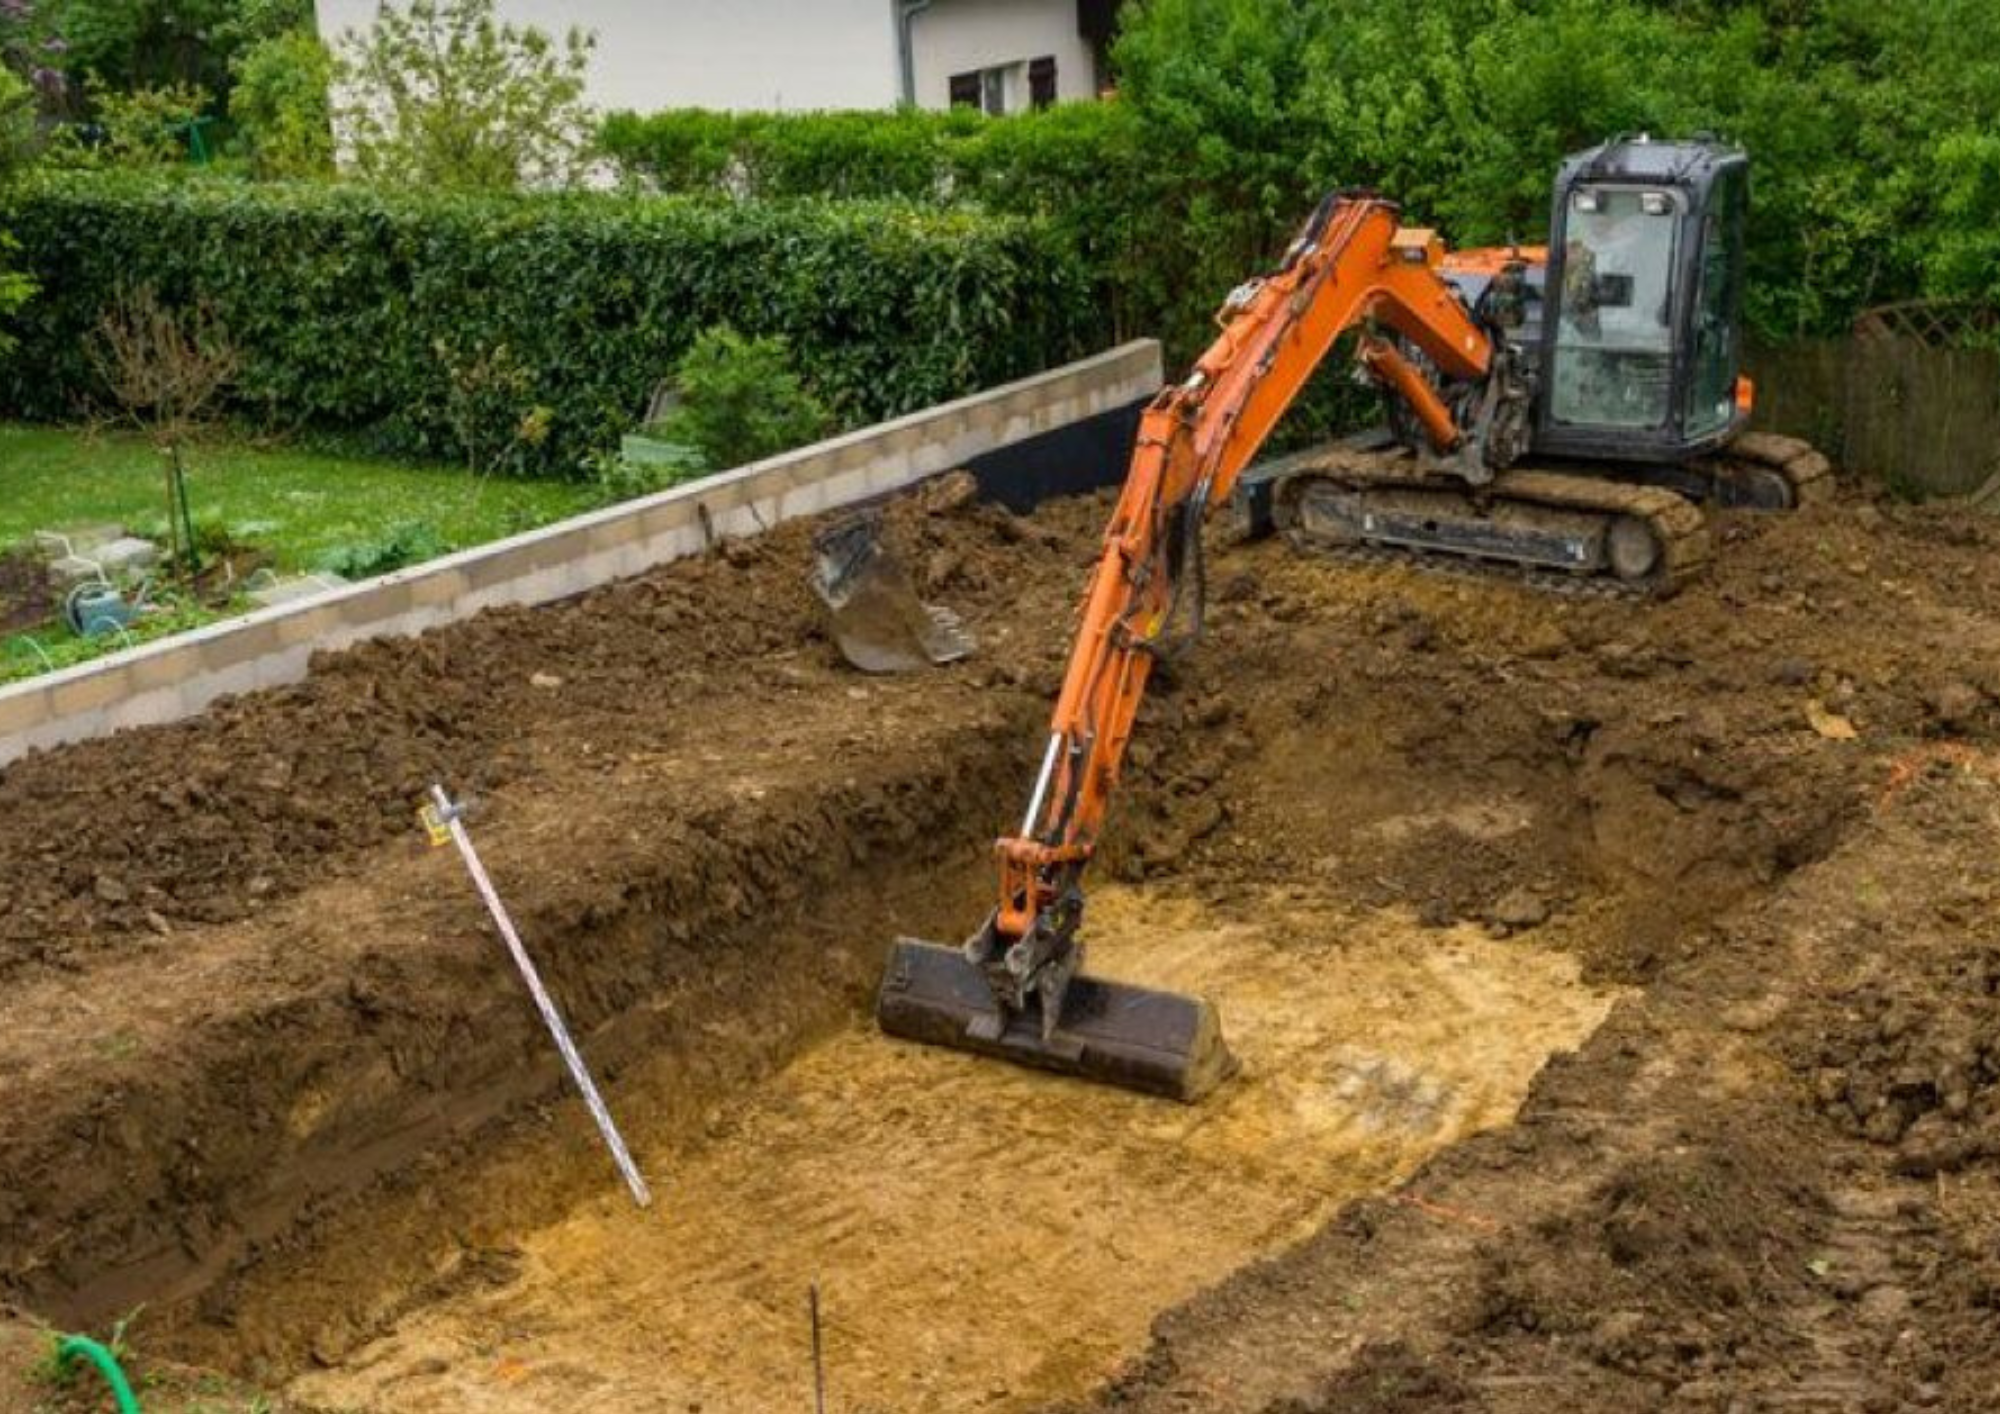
(1160, 1043)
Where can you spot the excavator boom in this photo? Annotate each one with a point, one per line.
(1016, 988)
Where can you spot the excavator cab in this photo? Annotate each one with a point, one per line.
(1639, 337)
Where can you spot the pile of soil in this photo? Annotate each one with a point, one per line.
(111, 842)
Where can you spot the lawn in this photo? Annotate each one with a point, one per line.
(302, 507)
(306, 510)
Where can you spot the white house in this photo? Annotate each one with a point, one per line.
(1002, 55)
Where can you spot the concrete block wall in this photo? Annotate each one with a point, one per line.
(177, 677)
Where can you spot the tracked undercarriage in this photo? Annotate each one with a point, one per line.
(1573, 524)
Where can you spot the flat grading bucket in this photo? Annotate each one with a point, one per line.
(878, 621)
(1160, 1043)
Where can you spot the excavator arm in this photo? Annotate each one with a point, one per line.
(1353, 265)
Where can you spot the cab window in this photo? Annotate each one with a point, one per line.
(1711, 395)
(1614, 351)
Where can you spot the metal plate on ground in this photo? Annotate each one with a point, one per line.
(878, 622)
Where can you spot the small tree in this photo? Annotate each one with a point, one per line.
(444, 95)
(281, 105)
(740, 400)
(166, 371)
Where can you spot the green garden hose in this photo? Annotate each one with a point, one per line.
(81, 1347)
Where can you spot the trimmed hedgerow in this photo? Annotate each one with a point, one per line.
(1084, 168)
(528, 330)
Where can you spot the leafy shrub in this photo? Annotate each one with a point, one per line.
(619, 478)
(337, 300)
(741, 400)
(410, 542)
(280, 105)
(736, 400)
(146, 127)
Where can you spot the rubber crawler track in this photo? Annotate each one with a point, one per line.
(1678, 524)
(1805, 468)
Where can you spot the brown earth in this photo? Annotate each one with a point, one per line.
(266, 1074)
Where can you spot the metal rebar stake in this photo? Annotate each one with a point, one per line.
(819, 1362)
(445, 818)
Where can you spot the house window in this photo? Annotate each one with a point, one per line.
(988, 90)
(1042, 81)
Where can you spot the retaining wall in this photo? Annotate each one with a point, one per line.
(177, 677)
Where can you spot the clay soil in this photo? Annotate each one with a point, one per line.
(1618, 987)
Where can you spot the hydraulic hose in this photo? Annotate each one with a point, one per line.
(81, 1347)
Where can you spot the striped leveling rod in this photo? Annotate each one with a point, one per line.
(445, 823)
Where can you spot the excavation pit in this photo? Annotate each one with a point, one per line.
(991, 1238)
(1557, 938)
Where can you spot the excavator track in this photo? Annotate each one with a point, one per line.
(1770, 472)
(1561, 530)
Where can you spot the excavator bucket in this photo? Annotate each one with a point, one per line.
(1160, 1043)
(878, 621)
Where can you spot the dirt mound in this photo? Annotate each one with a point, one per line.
(1655, 1272)
(218, 818)
(1916, 1062)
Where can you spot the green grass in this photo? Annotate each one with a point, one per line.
(303, 507)
(308, 510)
(53, 646)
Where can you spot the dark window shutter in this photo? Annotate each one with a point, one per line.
(1042, 81)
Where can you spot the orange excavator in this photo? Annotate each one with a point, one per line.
(1568, 408)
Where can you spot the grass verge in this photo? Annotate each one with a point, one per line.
(305, 508)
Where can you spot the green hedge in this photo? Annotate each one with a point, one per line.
(1871, 129)
(909, 153)
(362, 311)
(1083, 168)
